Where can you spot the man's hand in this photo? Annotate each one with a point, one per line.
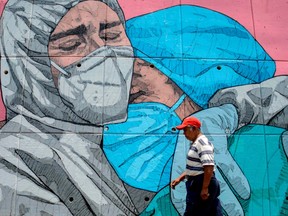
(174, 183)
(208, 172)
(204, 193)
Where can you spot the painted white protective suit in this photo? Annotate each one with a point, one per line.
(51, 160)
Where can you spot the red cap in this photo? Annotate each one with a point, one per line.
(192, 121)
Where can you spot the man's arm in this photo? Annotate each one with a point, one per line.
(208, 172)
(176, 181)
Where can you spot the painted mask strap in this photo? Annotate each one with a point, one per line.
(178, 103)
(60, 69)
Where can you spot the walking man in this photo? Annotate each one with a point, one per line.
(201, 184)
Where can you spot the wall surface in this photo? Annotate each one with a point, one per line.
(92, 92)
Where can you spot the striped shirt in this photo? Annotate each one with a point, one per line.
(201, 153)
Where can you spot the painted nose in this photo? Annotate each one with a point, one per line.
(95, 42)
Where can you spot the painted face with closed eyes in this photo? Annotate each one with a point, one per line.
(92, 24)
(86, 27)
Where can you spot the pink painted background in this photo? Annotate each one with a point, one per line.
(265, 19)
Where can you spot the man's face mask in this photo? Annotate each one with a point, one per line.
(97, 87)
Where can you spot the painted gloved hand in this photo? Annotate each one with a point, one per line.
(217, 124)
(263, 103)
(284, 138)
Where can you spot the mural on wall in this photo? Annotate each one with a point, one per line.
(92, 100)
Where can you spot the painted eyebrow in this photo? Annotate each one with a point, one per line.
(104, 26)
(80, 30)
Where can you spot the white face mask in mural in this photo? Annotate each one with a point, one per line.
(97, 87)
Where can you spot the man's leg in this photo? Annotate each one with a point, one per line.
(214, 204)
(192, 199)
(211, 206)
(218, 208)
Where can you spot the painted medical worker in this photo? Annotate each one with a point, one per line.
(166, 88)
(66, 69)
(58, 159)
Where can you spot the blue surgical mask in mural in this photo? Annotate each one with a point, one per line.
(141, 149)
(97, 87)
